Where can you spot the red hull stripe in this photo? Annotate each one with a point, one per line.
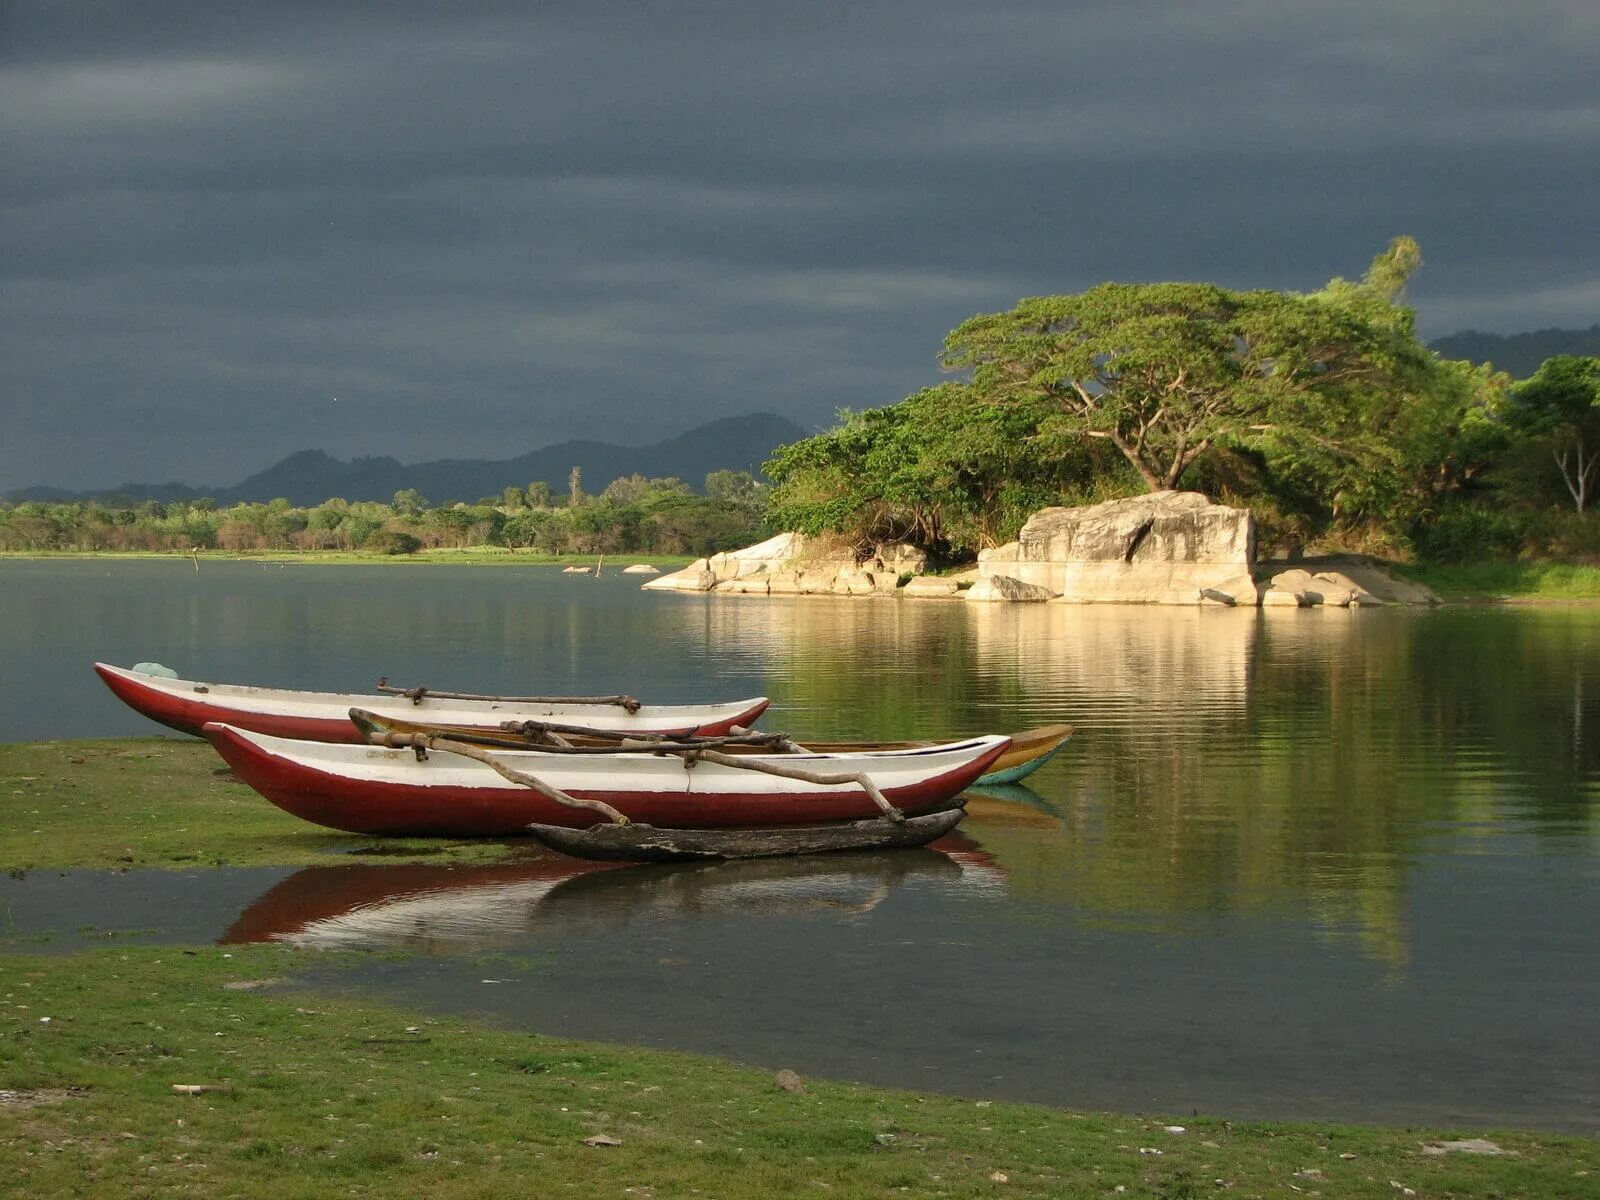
(381, 807)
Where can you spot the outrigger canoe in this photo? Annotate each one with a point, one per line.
(188, 706)
(1029, 750)
(374, 790)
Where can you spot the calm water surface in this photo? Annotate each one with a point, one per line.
(1294, 864)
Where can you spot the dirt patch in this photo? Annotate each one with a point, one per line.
(37, 1097)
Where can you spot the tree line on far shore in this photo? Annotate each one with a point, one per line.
(1322, 412)
(632, 514)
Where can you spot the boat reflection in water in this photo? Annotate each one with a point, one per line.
(429, 909)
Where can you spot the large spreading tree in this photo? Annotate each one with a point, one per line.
(1165, 372)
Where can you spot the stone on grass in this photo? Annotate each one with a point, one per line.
(1468, 1146)
(790, 1082)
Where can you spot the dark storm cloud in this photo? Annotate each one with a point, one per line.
(486, 227)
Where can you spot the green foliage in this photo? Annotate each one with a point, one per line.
(1166, 372)
(1558, 412)
(943, 468)
(738, 487)
(666, 518)
(392, 541)
(408, 502)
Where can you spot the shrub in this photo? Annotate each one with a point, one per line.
(392, 541)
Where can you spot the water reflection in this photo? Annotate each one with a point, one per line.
(438, 910)
(1354, 809)
(1280, 767)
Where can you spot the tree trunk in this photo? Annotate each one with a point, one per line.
(1153, 480)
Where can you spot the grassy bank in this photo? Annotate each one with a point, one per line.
(1507, 583)
(168, 802)
(319, 1095)
(326, 1097)
(498, 556)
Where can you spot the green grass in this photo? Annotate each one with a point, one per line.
(1502, 581)
(327, 1096)
(170, 802)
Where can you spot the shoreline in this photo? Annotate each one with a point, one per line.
(314, 1081)
(478, 556)
(1554, 585)
(307, 1089)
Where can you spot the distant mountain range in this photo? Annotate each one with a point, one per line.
(1519, 353)
(311, 476)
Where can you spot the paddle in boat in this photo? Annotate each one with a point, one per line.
(1028, 751)
(188, 706)
(441, 787)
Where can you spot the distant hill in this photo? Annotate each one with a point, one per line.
(1519, 353)
(311, 476)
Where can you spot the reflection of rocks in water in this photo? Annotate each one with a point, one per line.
(1147, 661)
(418, 907)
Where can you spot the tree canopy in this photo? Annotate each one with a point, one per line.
(1166, 372)
(1559, 408)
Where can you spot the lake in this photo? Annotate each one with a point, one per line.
(1296, 864)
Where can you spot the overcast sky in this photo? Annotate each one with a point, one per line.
(232, 231)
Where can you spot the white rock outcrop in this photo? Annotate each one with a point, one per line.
(1004, 587)
(933, 587)
(1343, 581)
(791, 564)
(1162, 548)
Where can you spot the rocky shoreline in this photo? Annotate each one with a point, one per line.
(1172, 548)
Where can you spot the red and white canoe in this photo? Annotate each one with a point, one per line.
(187, 705)
(368, 789)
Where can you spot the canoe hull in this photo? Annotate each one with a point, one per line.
(1029, 750)
(647, 843)
(387, 792)
(188, 707)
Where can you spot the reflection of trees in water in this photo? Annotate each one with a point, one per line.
(1273, 765)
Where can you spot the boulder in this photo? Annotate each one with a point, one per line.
(696, 577)
(689, 579)
(784, 583)
(767, 557)
(1162, 527)
(930, 586)
(1344, 579)
(887, 582)
(1161, 548)
(641, 569)
(1276, 597)
(853, 582)
(902, 559)
(1004, 587)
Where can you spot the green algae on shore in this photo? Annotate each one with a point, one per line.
(170, 802)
